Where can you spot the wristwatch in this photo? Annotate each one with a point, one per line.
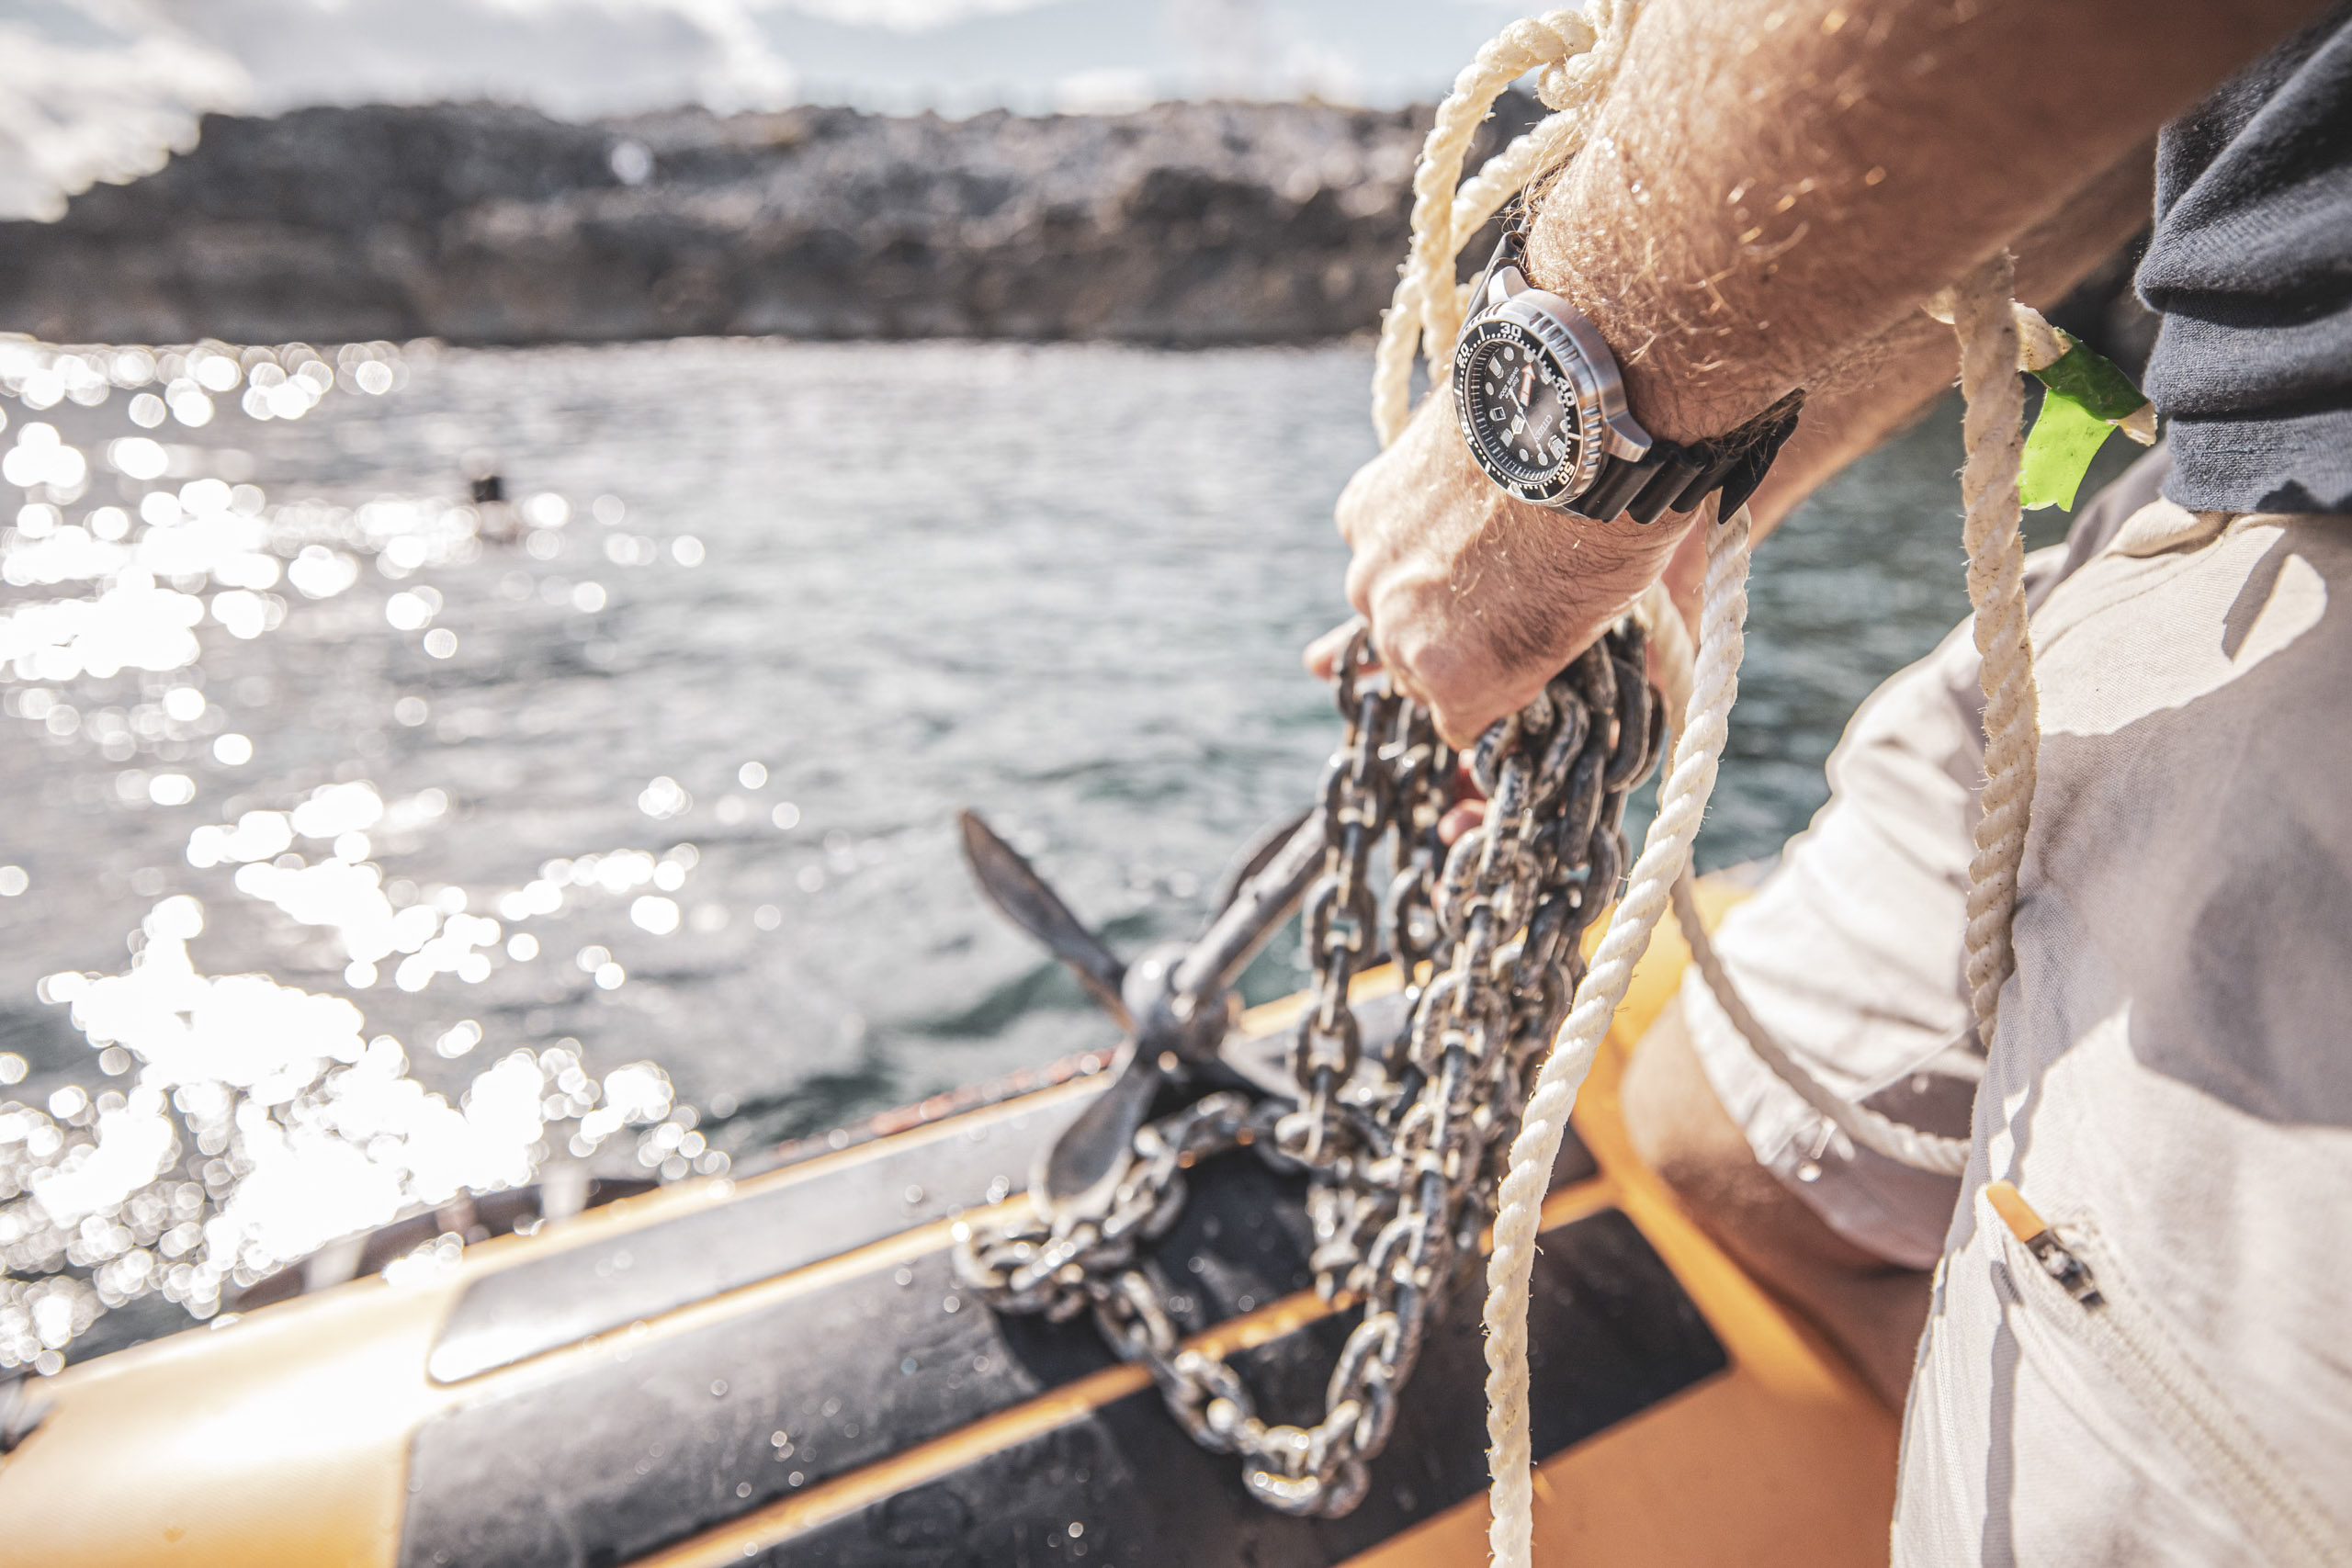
(1539, 401)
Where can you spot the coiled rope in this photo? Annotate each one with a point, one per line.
(1577, 57)
(1981, 310)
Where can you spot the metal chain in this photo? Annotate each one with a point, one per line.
(1404, 1152)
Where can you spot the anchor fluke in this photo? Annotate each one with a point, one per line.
(1014, 886)
(1174, 1003)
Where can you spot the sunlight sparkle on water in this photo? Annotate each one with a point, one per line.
(243, 1121)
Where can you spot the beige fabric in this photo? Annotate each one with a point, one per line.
(1850, 954)
(2172, 1086)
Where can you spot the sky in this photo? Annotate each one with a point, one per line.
(105, 89)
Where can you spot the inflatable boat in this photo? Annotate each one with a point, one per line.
(783, 1370)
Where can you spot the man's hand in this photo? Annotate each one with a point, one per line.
(1474, 599)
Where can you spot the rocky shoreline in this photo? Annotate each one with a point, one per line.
(1181, 224)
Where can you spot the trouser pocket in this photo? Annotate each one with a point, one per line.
(2076, 1302)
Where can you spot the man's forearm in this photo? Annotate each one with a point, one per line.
(1773, 183)
(1853, 407)
(1889, 382)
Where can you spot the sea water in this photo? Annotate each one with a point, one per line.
(364, 844)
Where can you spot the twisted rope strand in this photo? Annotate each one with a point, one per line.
(1898, 1141)
(1996, 333)
(1434, 245)
(1665, 851)
(1577, 57)
(1993, 429)
(1671, 659)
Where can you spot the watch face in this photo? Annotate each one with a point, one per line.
(1521, 410)
(1518, 410)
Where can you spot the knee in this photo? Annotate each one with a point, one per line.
(1680, 1130)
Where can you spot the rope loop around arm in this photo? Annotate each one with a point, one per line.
(1576, 56)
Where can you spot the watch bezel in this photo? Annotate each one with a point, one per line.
(1506, 301)
(1571, 477)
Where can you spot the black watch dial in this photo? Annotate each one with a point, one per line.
(1518, 410)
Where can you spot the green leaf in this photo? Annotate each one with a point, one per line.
(2095, 383)
(2064, 440)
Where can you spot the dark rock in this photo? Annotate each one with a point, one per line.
(1185, 223)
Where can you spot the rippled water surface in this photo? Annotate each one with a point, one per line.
(363, 846)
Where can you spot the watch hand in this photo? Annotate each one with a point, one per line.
(1526, 387)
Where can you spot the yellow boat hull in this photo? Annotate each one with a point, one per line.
(297, 1434)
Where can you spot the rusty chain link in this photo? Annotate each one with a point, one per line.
(1404, 1150)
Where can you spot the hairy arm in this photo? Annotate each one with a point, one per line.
(1891, 380)
(1812, 169)
(1851, 409)
(1771, 189)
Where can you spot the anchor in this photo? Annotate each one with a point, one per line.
(1175, 1004)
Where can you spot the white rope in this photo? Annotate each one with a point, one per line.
(2042, 346)
(1578, 56)
(1993, 429)
(1898, 1141)
(1671, 661)
(1682, 800)
(1991, 337)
